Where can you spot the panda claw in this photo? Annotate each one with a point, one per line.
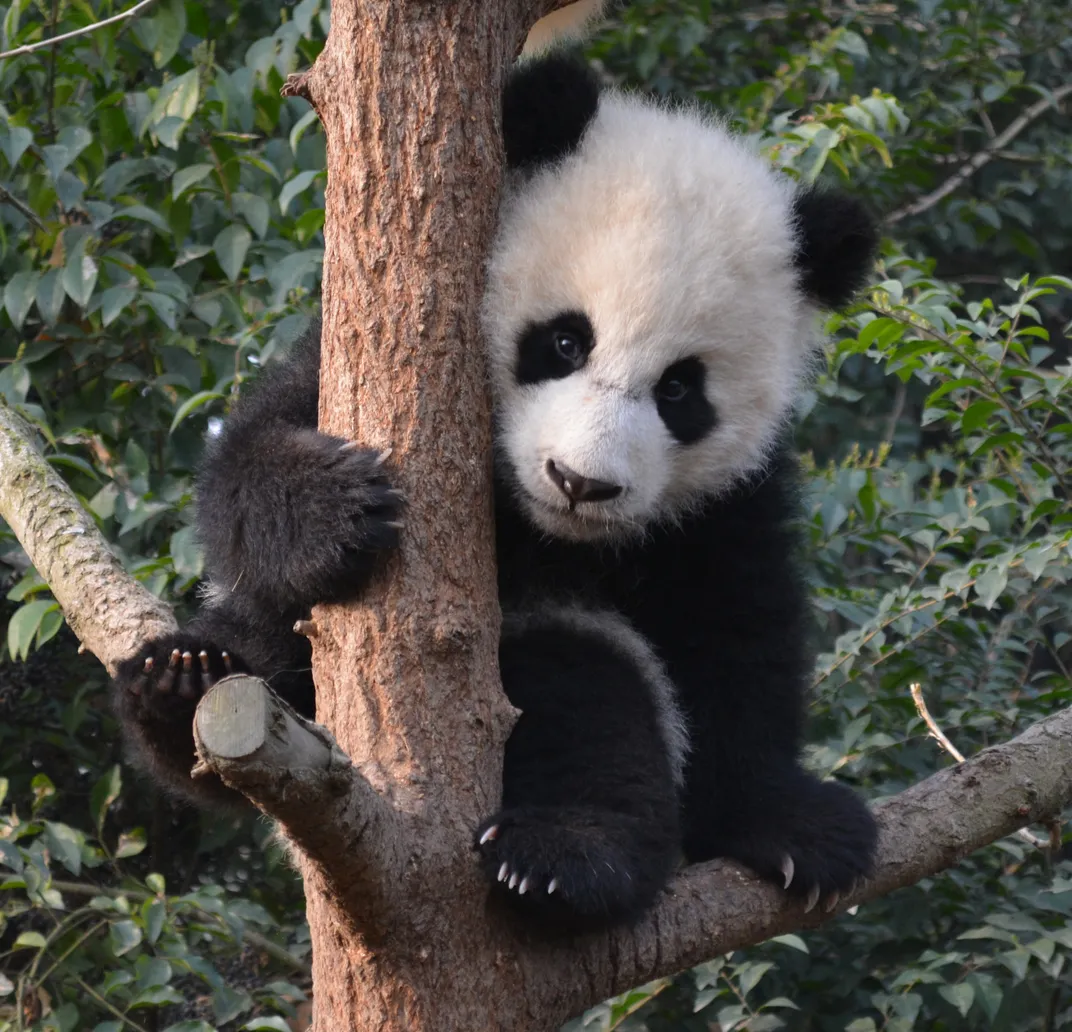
(203, 657)
(813, 898)
(173, 662)
(504, 872)
(383, 457)
(226, 656)
(788, 869)
(512, 883)
(187, 660)
(551, 886)
(148, 668)
(490, 834)
(394, 524)
(832, 901)
(524, 886)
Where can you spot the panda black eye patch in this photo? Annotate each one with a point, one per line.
(553, 349)
(681, 402)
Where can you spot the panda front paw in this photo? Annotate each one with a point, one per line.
(577, 869)
(156, 693)
(170, 674)
(819, 847)
(332, 517)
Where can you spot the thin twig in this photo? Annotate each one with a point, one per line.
(20, 207)
(983, 157)
(940, 737)
(29, 48)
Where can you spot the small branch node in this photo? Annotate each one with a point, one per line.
(297, 85)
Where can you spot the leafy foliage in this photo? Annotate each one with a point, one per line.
(160, 216)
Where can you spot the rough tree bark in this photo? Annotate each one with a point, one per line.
(381, 803)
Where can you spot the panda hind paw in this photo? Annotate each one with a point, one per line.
(820, 850)
(563, 867)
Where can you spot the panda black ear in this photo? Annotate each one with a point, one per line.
(547, 105)
(836, 245)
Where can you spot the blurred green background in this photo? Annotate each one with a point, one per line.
(161, 211)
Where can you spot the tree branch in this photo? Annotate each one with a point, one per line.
(295, 772)
(717, 907)
(109, 611)
(991, 151)
(29, 48)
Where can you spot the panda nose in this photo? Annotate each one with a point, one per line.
(580, 489)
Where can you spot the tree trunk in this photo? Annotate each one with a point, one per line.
(407, 682)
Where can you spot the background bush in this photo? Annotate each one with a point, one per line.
(160, 238)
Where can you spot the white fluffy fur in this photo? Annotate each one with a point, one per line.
(676, 240)
(569, 22)
(617, 632)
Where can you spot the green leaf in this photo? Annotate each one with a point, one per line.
(153, 913)
(750, 974)
(300, 126)
(19, 295)
(123, 936)
(291, 189)
(14, 139)
(191, 404)
(105, 792)
(23, 626)
(186, 177)
(50, 296)
(79, 274)
(990, 585)
(65, 844)
(30, 940)
(131, 843)
(113, 301)
(230, 247)
(228, 1003)
(144, 214)
(157, 996)
(795, 941)
(268, 1024)
(254, 210)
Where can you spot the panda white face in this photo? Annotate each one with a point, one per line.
(646, 324)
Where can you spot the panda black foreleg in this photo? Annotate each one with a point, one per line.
(588, 830)
(290, 517)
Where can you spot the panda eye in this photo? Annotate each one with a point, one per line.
(672, 390)
(569, 348)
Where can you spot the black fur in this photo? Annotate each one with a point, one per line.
(547, 106)
(837, 245)
(290, 517)
(538, 356)
(587, 795)
(682, 404)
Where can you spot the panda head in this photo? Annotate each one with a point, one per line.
(652, 301)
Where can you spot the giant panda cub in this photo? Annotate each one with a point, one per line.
(651, 310)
